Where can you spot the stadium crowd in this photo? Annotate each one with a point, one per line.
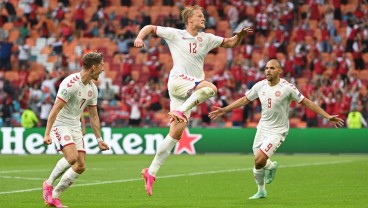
(321, 44)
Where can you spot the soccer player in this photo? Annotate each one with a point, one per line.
(76, 92)
(186, 84)
(275, 95)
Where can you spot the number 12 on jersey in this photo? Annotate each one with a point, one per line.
(192, 47)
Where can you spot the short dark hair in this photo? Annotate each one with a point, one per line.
(91, 58)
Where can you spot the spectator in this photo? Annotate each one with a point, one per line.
(7, 110)
(11, 10)
(355, 120)
(23, 55)
(58, 13)
(46, 107)
(5, 54)
(29, 119)
(107, 93)
(135, 112)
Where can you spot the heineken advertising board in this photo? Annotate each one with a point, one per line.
(134, 141)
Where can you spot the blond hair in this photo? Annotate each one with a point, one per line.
(188, 12)
(90, 59)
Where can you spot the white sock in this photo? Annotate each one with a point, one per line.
(269, 165)
(59, 169)
(65, 182)
(197, 98)
(259, 175)
(163, 151)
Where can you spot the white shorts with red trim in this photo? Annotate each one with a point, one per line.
(267, 142)
(180, 88)
(64, 136)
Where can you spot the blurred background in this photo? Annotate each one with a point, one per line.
(321, 44)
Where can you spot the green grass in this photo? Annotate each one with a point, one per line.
(191, 181)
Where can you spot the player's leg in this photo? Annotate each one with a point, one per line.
(75, 154)
(259, 160)
(269, 148)
(166, 146)
(203, 91)
(163, 151)
(59, 169)
(58, 135)
(259, 175)
(264, 168)
(193, 91)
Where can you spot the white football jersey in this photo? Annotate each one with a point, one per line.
(77, 96)
(188, 52)
(275, 103)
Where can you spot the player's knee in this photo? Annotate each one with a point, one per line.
(80, 167)
(72, 160)
(210, 91)
(259, 162)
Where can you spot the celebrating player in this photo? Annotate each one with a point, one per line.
(76, 92)
(186, 85)
(275, 95)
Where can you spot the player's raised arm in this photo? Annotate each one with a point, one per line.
(334, 119)
(221, 111)
(146, 30)
(237, 38)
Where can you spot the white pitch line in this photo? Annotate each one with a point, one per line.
(22, 178)
(23, 171)
(187, 174)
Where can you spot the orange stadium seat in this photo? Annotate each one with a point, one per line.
(175, 11)
(7, 26)
(13, 35)
(11, 76)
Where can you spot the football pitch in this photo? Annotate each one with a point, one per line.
(214, 180)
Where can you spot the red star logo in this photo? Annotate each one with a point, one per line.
(186, 143)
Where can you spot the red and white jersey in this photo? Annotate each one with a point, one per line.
(188, 52)
(275, 103)
(77, 96)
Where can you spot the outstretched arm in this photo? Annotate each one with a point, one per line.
(146, 30)
(236, 39)
(221, 111)
(334, 119)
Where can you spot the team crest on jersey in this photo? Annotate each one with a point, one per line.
(199, 39)
(90, 93)
(277, 93)
(64, 92)
(67, 138)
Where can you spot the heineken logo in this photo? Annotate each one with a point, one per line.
(22, 141)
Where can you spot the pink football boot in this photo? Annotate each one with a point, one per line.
(148, 180)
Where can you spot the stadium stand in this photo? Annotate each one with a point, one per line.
(322, 45)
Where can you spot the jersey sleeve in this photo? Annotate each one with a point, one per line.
(66, 91)
(213, 41)
(295, 94)
(252, 94)
(167, 33)
(93, 101)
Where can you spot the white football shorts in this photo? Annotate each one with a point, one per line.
(267, 142)
(180, 88)
(64, 136)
